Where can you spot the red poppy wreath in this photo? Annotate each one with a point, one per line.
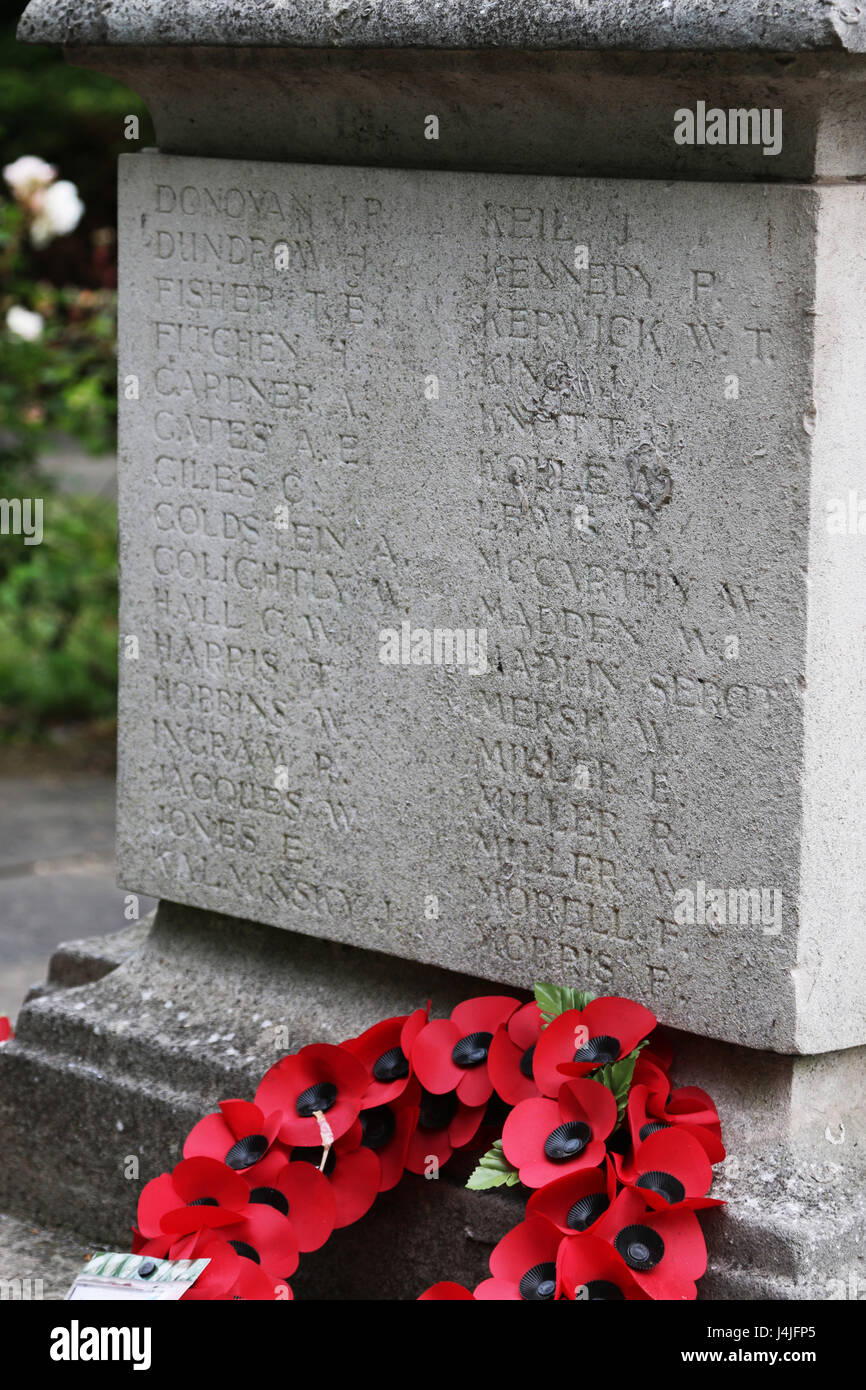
(617, 1162)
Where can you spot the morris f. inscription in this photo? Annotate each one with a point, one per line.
(376, 401)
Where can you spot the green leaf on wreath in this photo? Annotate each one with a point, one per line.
(617, 1077)
(494, 1170)
(554, 1000)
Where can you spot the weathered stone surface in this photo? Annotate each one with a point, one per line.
(547, 88)
(36, 1263)
(432, 417)
(638, 24)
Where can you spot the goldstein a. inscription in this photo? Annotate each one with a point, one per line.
(359, 402)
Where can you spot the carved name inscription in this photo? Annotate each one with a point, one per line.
(369, 416)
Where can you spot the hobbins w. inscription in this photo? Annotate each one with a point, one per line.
(439, 405)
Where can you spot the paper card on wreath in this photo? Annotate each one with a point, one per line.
(113, 1276)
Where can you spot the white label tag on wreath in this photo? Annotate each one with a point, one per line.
(113, 1276)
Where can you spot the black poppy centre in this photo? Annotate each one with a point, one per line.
(665, 1184)
(247, 1151)
(651, 1127)
(314, 1156)
(248, 1251)
(601, 1291)
(393, 1065)
(437, 1112)
(640, 1247)
(526, 1062)
(270, 1197)
(322, 1096)
(538, 1283)
(378, 1126)
(472, 1050)
(586, 1210)
(567, 1141)
(599, 1051)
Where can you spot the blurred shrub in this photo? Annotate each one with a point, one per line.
(58, 624)
(58, 627)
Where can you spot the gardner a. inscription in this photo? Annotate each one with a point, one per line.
(391, 401)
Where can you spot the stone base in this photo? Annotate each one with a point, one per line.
(136, 1035)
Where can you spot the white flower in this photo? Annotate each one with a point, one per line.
(28, 174)
(59, 211)
(24, 323)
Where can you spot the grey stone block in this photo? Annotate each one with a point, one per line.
(617, 477)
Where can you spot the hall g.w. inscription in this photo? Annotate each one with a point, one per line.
(465, 402)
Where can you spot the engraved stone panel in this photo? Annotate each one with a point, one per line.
(557, 422)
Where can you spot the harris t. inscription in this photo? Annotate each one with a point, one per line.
(463, 543)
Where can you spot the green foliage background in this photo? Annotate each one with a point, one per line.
(58, 627)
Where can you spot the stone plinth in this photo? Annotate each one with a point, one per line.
(138, 1034)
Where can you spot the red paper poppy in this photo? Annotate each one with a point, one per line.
(266, 1238)
(353, 1177)
(511, 1055)
(318, 1078)
(198, 1193)
(6, 1032)
(157, 1246)
(228, 1275)
(575, 1203)
(590, 1271)
(298, 1191)
(670, 1169)
(523, 1264)
(545, 1139)
(664, 1250)
(444, 1124)
(239, 1136)
(653, 1106)
(580, 1040)
(446, 1293)
(385, 1050)
(387, 1130)
(450, 1054)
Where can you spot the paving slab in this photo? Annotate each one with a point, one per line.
(57, 874)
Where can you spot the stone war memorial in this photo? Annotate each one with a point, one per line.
(492, 589)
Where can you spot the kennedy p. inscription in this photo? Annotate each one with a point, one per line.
(463, 543)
